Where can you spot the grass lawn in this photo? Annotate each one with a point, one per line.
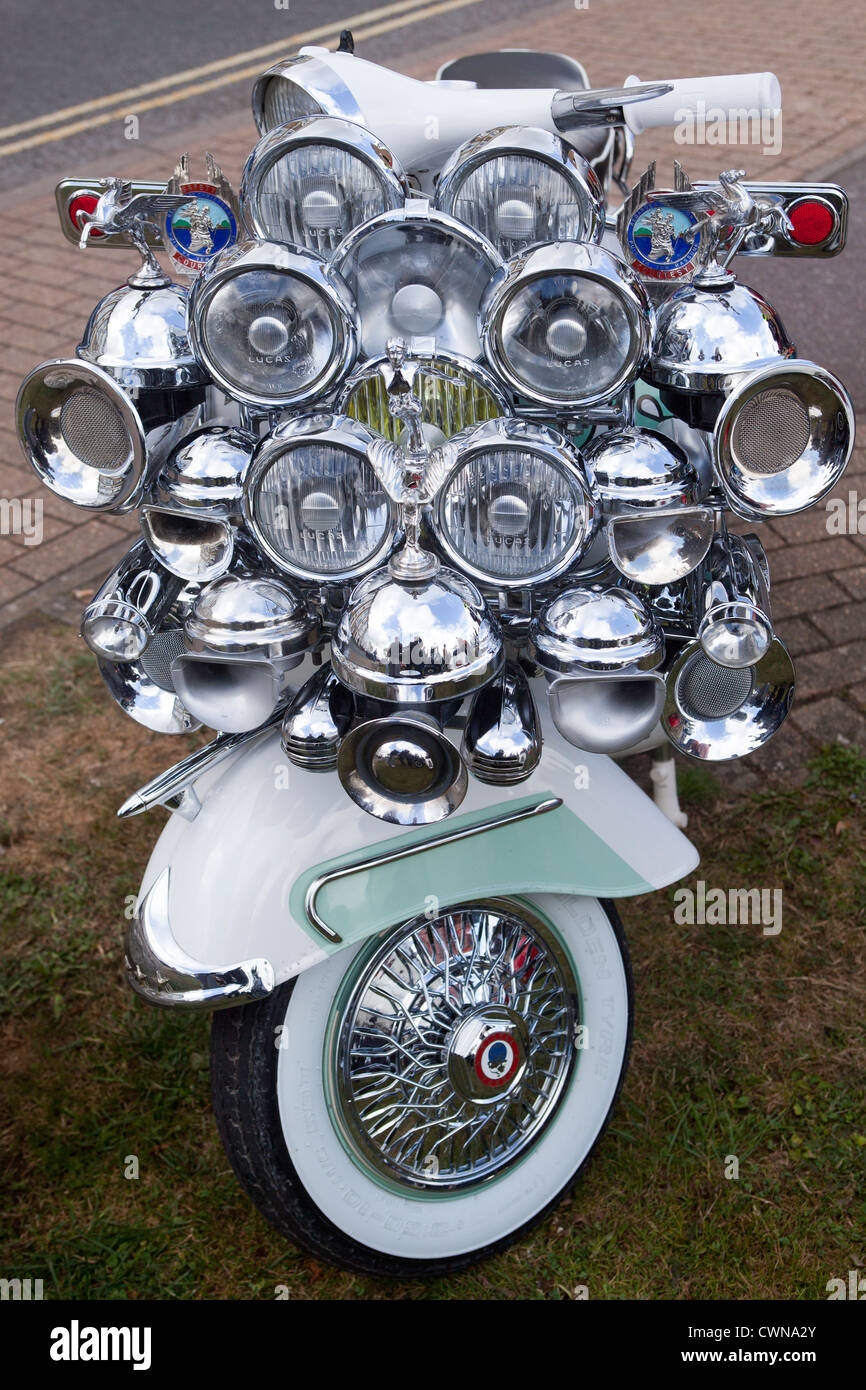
(745, 1045)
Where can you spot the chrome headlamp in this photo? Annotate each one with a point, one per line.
(417, 273)
(709, 335)
(783, 439)
(516, 507)
(313, 181)
(273, 325)
(566, 324)
(313, 502)
(455, 394)
(520, 186)
(298, 87)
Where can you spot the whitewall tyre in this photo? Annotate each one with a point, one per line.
(419, 1103)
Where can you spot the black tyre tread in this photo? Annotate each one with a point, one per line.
(243, 1070)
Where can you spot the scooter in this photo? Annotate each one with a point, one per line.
(434, 461)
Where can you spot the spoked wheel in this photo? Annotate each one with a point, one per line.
(420, 1104)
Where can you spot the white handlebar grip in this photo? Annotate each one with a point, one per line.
(743, 91)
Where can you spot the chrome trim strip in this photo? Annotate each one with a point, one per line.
(174, 782)
(445, 837)
(162, 973)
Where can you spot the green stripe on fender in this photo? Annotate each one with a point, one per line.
(554, 852)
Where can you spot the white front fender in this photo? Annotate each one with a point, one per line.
(279, 868)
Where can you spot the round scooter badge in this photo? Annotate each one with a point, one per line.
(664, 241)
(496, 1060)
(208, 223)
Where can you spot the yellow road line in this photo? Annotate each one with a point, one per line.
(195, 89)
(270, 50)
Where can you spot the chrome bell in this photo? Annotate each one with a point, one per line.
(595, 629)
(655, 532)
(402, 769)
(411, 642)
(316, 721)
(243, 636)
(502, 739)
(195, 502)
(715, 712)
(137, 334)
(708, 336)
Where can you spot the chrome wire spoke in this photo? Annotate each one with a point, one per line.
(455, 1045)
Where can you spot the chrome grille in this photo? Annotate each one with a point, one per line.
(160, 653)
(93, 430)
(771, 431)
(450, 405)
(709, 691)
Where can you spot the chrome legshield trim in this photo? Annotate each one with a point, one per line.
(172, 788)
(162, 973)
(446, 837)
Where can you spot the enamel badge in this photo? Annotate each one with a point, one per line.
(206, 224)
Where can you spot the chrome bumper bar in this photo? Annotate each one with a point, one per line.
(162, 973)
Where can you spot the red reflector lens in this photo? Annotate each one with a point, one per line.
(82, 202)
(813, 223)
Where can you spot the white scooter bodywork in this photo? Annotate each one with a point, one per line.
(221, 918)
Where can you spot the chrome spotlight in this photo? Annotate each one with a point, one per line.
(316, 721)
(414, 642)
(243, 636)
(735, 628)
(502, 739)
(402, 769)
(313, 501)
(648, 486)
(82, 434)
(126, 611)
(417, 273)
(609, 713)
(782, 439)
(516, 507)
(519, 186)
(188, 521)
(566, 324)
(594, 629)
(717, 712)
(274, 325)
(311, 182)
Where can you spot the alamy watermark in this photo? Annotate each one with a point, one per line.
(22, 516)
(722, 125)
(717, 907)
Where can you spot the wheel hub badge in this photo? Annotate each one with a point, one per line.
(487, 1054)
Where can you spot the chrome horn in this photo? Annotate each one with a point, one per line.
(502, 739)
(715, 712)
(243, 635)
(316, 721)
(402, 769)
(735, 628)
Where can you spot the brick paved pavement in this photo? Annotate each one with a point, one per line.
(819, 580)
